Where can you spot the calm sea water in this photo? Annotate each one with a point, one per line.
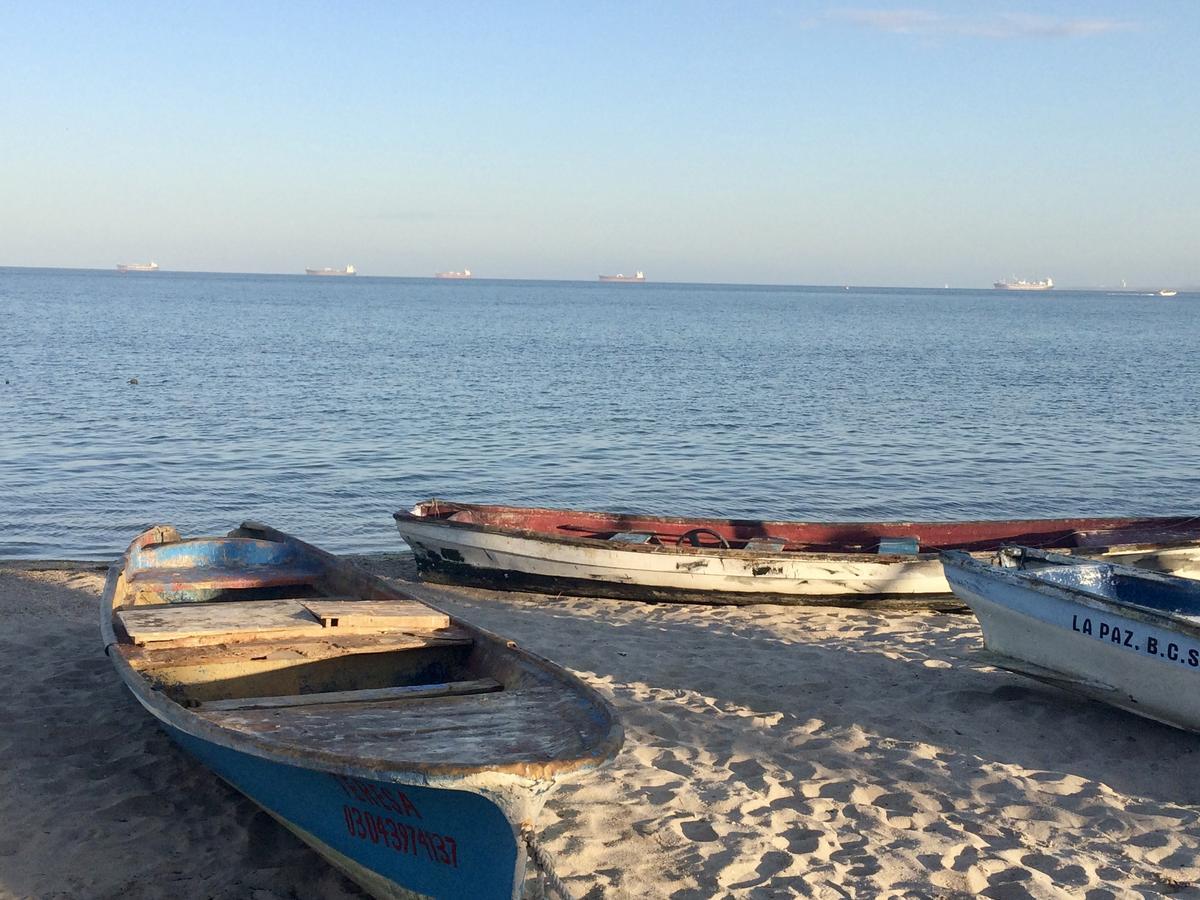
(322, 405)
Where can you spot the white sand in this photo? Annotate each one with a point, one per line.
(770, 752)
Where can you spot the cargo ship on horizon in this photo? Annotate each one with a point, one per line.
(464, 274)
(349, 270)
(137, 267)
(635, 278)
(1023, 285)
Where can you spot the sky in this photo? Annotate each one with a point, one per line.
(796, 143)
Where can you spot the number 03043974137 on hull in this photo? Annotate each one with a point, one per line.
(411, 749)
(742, 561)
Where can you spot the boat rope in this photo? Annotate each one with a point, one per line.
(544, 865)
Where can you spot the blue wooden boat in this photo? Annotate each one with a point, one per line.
(1128, 637)
(411, 749)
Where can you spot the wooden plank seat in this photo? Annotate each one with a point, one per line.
(765, 544)
(634, 537)
(365, 695)
(906, 546)
(376, 615)
(198, 624)
(167, 580)
(493, 728)
(309, 647)
(201, 623)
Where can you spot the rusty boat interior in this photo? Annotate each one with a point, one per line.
(759, 536)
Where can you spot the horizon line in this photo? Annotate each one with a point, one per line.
(843, 286)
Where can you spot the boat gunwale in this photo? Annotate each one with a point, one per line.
(460, 574)
(403, 516)
(604, 748)
(957, 559)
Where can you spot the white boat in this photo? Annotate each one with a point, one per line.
(740, 561)
(638, 277)
(463, 275)
(1022, 285)
(349, 270)
(1128, 637)
(1167, 292)
(124, 268)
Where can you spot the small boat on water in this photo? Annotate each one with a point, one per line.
(1020, 284)
(126, 268)
(410, 749)
(743, 561)
(327, 270)
(1167, 292)
(1125, 636)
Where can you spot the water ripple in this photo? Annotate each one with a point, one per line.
(321, 406)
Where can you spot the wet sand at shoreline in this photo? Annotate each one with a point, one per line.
(770, 752)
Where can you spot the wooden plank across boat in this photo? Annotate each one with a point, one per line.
(1125, 636)
(740, 561)
(411, 749)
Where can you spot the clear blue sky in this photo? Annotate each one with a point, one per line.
(873, 143)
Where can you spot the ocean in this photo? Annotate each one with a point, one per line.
(322, 405)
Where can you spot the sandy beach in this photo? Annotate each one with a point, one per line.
(770, 752)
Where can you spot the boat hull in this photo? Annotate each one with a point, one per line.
(519, 563)
(1133, 662)
(512, 559)
(349, 738)
(394, 839)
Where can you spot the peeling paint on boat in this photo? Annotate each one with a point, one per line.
(488, 546)
(297, 719)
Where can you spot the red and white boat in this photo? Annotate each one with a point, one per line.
(742, 561)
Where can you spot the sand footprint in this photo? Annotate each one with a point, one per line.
(668, 762)
(698, 830)
(802, 841)
(1073, 875)
(742, 875)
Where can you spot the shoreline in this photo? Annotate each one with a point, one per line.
(770, 752)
